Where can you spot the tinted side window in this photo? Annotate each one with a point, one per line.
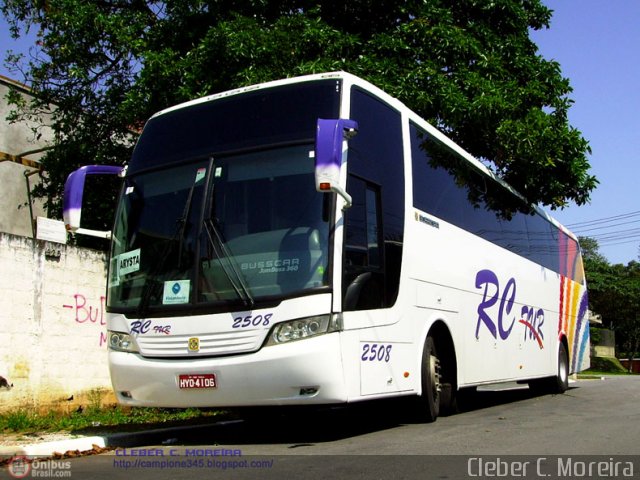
(434, 189)
(570, 258)
(439, 192)
(376, 182)
(515, 236)
(543, 245)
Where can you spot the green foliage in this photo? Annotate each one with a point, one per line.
(27, 421)
(17, 421)
(595, 335)
(614, 293)
(468, 66)
(590, 252)
(606, 365)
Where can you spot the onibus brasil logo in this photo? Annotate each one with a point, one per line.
(21, 466)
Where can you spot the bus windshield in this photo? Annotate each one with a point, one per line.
(234, 229)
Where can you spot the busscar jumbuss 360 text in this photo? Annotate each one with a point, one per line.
(312, 241)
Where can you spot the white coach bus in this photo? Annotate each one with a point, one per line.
(314, 241)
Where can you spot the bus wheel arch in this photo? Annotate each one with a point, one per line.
(438, 374)
(558, 383)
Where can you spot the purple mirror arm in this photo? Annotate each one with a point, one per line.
(330, 134)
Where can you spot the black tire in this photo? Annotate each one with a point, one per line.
(429, 400)
(561, 383)
(448, 398)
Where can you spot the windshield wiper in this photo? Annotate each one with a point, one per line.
(182, 223)
(230, 270)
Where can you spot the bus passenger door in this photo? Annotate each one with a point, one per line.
(363, 277)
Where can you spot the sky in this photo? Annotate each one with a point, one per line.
(597, 44)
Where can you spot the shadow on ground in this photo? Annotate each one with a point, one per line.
(307, 426)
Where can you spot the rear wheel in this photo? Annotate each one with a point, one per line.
(561, 383)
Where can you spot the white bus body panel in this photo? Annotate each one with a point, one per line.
(503, 330)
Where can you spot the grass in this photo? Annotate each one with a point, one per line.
(600, 373)
(26, 421)
(605, 366)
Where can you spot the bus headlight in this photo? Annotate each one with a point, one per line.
(122, 342)
(302, 328)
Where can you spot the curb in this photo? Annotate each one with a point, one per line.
(161, 436)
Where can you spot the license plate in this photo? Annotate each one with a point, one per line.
(203, 380)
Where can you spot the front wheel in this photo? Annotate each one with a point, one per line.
(429, 400)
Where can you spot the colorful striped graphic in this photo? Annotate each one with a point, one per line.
(573, 322)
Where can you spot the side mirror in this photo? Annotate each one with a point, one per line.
(330, 149)
(73, 192)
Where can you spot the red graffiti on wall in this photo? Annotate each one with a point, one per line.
(86, 313)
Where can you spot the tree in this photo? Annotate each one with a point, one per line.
(627, 323)
(468, 66)
(591, 251)
(614, 292)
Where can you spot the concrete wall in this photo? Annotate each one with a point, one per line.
(52, 325)
(603, 343)
(15, 139)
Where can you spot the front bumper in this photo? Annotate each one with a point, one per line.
(304, 372)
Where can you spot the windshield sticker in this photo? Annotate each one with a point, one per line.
(128, 262)
(176, 291)
(217, 172)
(114, 279)
(200, 174)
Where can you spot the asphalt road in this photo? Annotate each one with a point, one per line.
(509, 433)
